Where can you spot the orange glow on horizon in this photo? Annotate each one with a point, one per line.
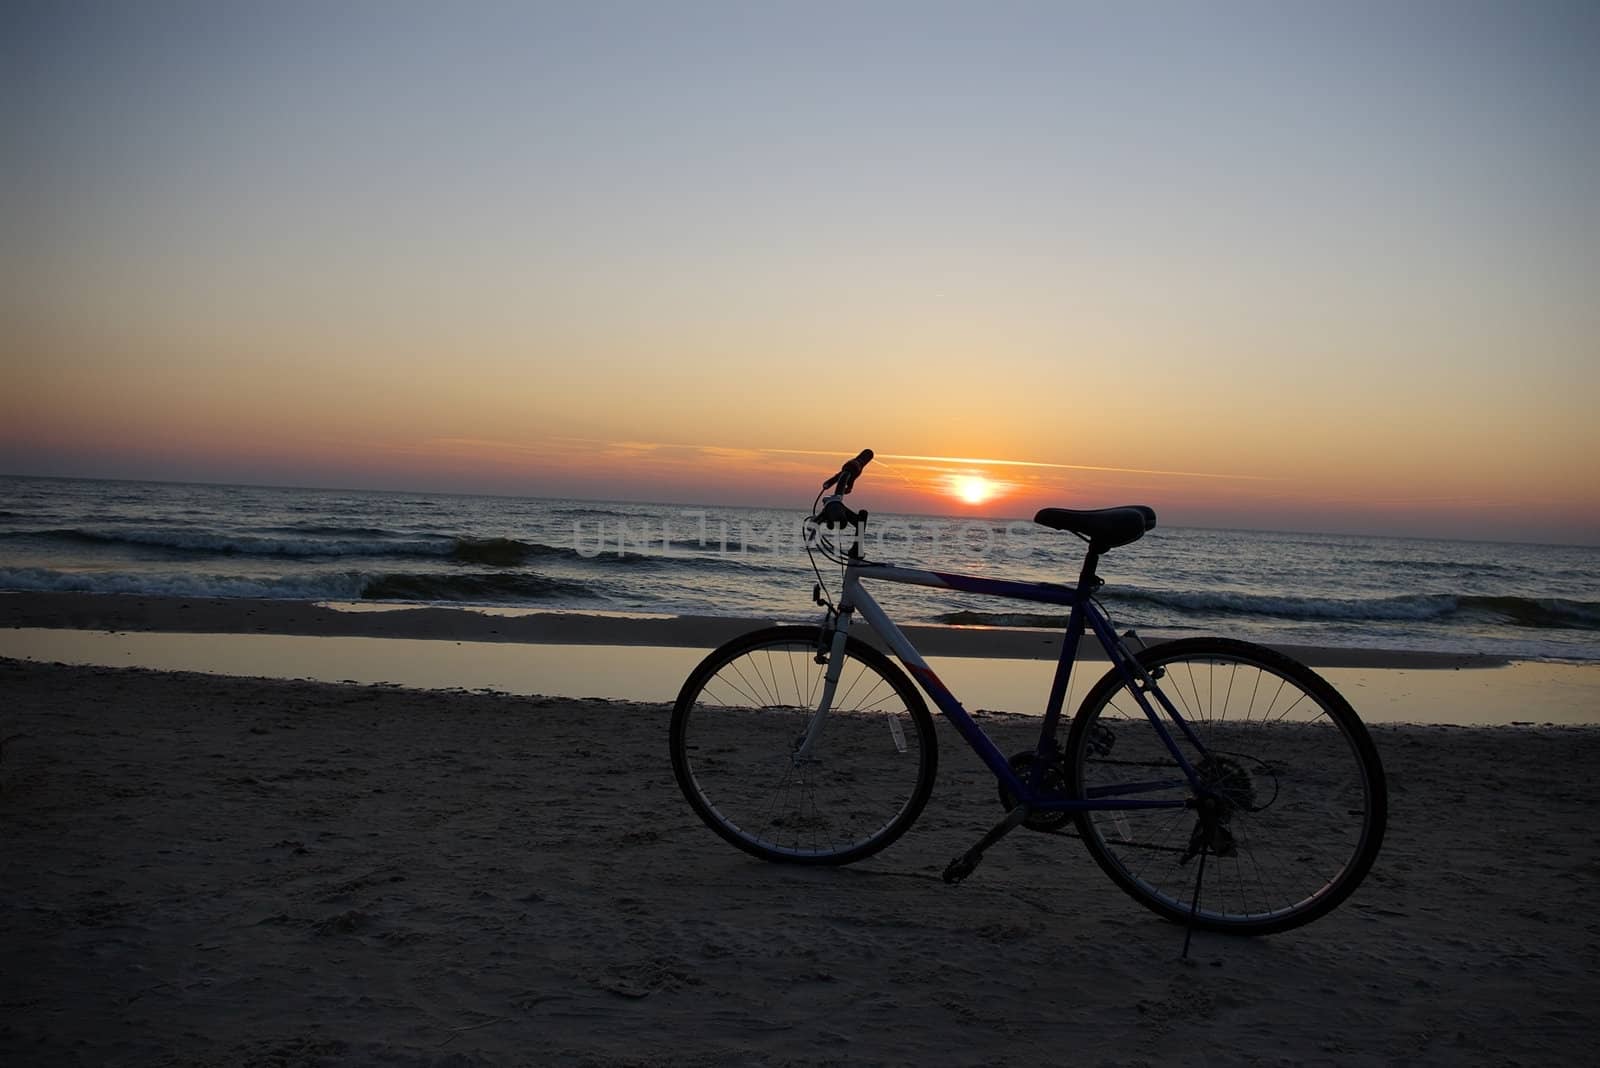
(705, 475)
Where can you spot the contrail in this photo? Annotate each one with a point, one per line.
(986, 462)
(1078, 467)
(913, 458)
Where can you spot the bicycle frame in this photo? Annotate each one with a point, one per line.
(1084, 613)
(1292, 808)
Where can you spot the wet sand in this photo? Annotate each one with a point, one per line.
(646, 659)
(119, 612)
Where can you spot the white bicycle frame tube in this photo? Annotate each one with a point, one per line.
(853, 597)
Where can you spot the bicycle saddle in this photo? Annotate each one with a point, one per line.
(1106, 528)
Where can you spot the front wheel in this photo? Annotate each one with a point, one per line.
(1292, 801)
(737, 742)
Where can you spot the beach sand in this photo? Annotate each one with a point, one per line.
(205, 870)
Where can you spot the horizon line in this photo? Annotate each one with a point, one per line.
(285, 485)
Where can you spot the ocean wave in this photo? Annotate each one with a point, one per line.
(206, 542)
(645, 541)
(320, 542)
(969, 618)
(686, 553)
(509, 552)
(500, 552)
(322, 530)
(1543, 612)
(580, 511)
(1479, 568)
(496, 587)
(493, 586)
(341, 587)
(325, 542)
(1546, 612)
(715, 544)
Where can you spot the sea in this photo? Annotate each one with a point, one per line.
(370, 549)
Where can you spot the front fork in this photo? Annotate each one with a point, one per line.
(835, 632)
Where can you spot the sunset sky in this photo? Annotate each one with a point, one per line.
(1285, 265)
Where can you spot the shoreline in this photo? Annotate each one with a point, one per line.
(192, 615)
(574, 656)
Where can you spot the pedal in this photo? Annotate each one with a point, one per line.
(960, 868)
(963, 865)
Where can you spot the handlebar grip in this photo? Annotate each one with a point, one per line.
(851, 470)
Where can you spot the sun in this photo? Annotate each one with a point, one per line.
(972, 489)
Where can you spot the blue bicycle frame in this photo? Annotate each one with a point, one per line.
(1029, 792)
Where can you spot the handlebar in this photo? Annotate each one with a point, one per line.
(834, 513)
(846, 478)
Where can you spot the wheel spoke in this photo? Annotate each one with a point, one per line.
(1299, 789)
(738, 727)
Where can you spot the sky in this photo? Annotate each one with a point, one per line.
(1326, 266)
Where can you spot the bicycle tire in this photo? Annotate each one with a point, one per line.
(738, 722)
(1299, 789)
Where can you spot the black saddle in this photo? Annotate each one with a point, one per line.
(1106, 528)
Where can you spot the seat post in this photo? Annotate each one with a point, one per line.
(1087, 577)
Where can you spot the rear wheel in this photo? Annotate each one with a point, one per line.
(736, 737)
(1294, 796)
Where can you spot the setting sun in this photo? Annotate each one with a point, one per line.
(973, 489)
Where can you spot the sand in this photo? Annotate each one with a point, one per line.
(207, 870)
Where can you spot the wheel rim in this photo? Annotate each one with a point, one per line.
(741, 735)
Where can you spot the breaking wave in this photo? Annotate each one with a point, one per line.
(204, 542)
(1542, 612)
(495, 587)
(335, 587)
(310, 541)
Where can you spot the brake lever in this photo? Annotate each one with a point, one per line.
(835, 513)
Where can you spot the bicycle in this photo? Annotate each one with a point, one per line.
(805, 744)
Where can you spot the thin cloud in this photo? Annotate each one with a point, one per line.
(969, 461)
(977, 461)
(937, 464)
